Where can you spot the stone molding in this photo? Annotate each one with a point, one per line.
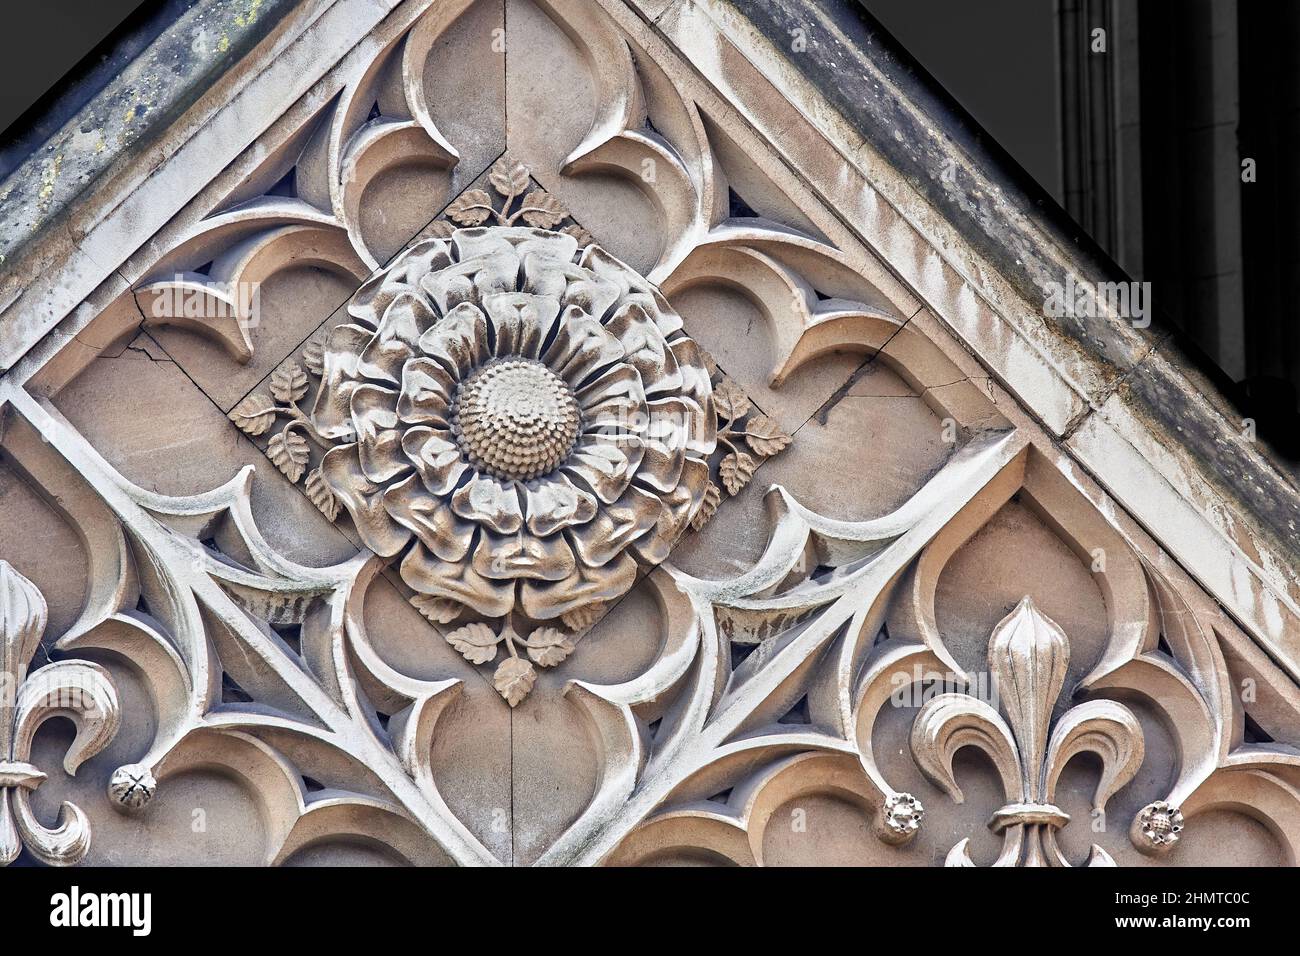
(533, 391)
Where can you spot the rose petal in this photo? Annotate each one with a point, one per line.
(427, 389)
(404, 322)
(695, 374)
(554, 503)
(679, 421)
(331, 413)
(473, 276)
(371, 301)
(374, 408)
(621, 414)
(381, 456)
(529, 242)
(446, 535)
(341, 469)
(661, 466)
(570, 284)
(646, 350)
(383, 358)
(615, 527)
(486, 501)
(523, 555)
(620, 382)
(632, 287)
(460, 341)
(517, 241)
(665, 442)
(427, 573)
(585, 585)
(581, 349)
(522, 321)
(436, 459)
(602, 467)
(676, 508)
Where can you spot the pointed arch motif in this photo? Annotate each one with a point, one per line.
(781, 676)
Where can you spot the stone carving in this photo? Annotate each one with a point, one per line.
(511, 181)
(1156, 827)
(78, 690)
(487, 418)
(1028, 655)
(903, 814)
(728, 722)
(523, 421)
(132, 787)
(746, 439)
(288, 448)
(310, 710)
(296, 448)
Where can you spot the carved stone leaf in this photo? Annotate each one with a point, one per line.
(730, 400)
(514, 679)
(581, 618)
(477, 642)
(471, 208)
(290, 453)
(321, 495)
(441, 229)
(708, 507)
(577, 232)
(548, 646)
(736, 471)
(765, 436)
(542, 210)
(254, 415)
(289, 383)
(436, 609)
(313, 356)
(508, 178)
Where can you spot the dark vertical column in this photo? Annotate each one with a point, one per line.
(1126, 46)
(1086, 117)
(1192, 250)
(1269, 134)
(1099, 89)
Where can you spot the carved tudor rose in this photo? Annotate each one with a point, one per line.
(525, 423)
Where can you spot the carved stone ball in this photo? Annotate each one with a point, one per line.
(1157, 827)
(132, 787)
(902, 816)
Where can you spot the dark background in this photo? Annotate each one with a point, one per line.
(42, 41)
(1141, 144)
(55, 55)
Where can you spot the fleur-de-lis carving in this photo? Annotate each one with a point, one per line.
(1028, 658)
(79, 690)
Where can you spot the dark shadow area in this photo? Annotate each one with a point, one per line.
(56, 55)
(1167, 129)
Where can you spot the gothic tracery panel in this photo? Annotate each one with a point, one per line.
(554, 479)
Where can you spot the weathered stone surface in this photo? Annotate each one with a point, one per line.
(629, 460)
